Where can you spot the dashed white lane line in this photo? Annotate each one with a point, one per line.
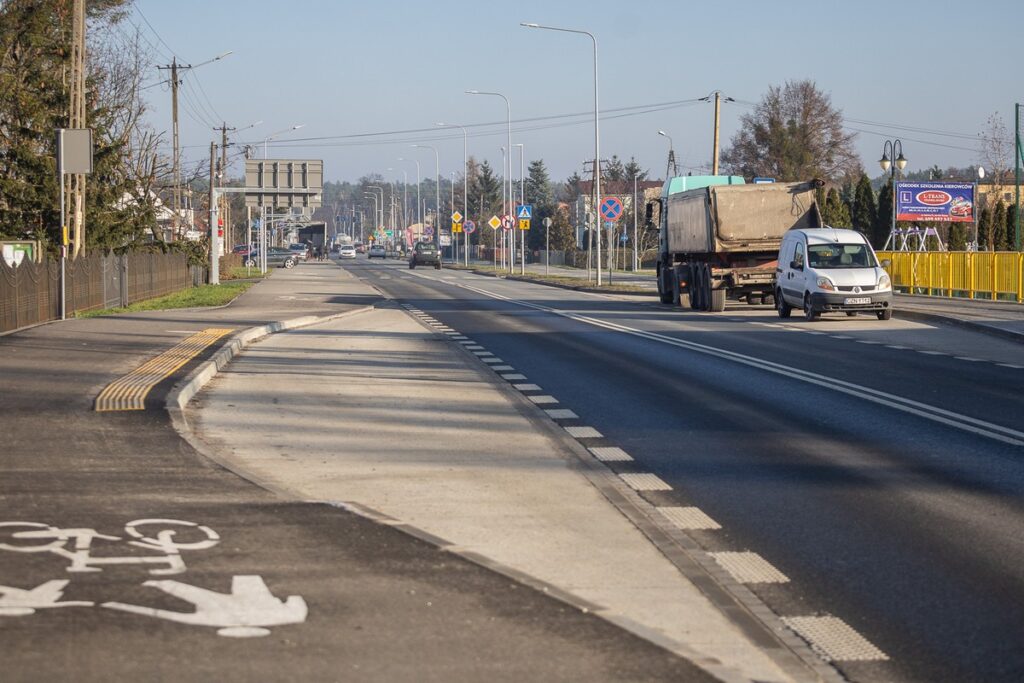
(503, 368)
(460, 337)
(969, 359)
(868, 341)
(834, 639)
(561, 414)
(482, 353)
(491, 360)
(749, 567)
(473, 347)
(841, 336)
(898, 347)
(526, 387)
(543, 399)
(1011, 366)
(611, 454)
(689, 518)
(933, 353)
(580, 432)
(468, 342)
(452, 333)
(514, 375)
(645, 482)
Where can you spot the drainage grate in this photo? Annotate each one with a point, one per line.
(834, 639)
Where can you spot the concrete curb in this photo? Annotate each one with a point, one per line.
(921, 316)
(557, 285)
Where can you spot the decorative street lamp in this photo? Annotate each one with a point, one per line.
(891, 162)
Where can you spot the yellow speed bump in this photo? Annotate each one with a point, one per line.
(129, 392)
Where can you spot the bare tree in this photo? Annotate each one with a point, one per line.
(794, 133)
(995, 151)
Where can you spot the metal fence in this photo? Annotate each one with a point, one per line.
(995, 275)
(30, 292)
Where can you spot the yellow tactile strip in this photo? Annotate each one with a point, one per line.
(129, 392)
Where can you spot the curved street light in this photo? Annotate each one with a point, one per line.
(891, 162)
(437, 193)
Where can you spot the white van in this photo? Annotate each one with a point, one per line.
(828, 269)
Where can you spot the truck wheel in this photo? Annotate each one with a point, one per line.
(665, 289)
(769, 299)
(885, 314)
(437, 266)
(809, 313)
(781, 306)
(717, 300)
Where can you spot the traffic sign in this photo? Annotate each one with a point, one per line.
(495, 222)
(456, 227)
(428, 231)
(763, 181)
(524, 211)
(470, 227)
(524, 223)
(547, 222)
(611, 209)
(456, 217)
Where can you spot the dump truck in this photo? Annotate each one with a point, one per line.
(719, 237)
(314, 234)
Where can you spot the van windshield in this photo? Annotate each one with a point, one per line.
(840, 256)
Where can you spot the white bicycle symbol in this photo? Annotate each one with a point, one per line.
(33, 537)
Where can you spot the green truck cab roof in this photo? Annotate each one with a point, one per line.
(695, 182)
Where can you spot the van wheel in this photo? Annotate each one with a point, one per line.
(781, 306)
(884, 314)
(851, 314)
(809, 313)
(437, 266)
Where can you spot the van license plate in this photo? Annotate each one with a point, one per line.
(858, 300)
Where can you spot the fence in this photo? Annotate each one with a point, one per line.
(30, 292)
(996, 275)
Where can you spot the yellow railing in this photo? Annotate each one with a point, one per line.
(975, 275)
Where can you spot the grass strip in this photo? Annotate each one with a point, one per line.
(194, 297)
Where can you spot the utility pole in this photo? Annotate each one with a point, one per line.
(76, 119)
(225, 206)
(214, 278)
(718, 116)
(1018, 157)
(176, 152)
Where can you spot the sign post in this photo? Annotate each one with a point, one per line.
(547, 244)
(611, 209)
(495, 223)
(470, 227)
(74, 156)
(524, 212)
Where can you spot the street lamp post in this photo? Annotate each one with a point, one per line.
(379, 217)
(437, 193)
(597, 135)
(506, 167)
(892, 163)
(636, 230)
(419, 201)
(373, 196)
(274, 135)
(672, 169)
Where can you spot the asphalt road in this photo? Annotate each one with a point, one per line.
(127, 555)
(876, 466)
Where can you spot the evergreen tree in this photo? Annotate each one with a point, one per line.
(985, 229)
(957, 237)
(563, 237)
(539, 193)
(883, 216)
(633, 169)
(863, 216)
(614, 170)
(835, 214)
(485, 200)
(999, 241)
(1011, 227)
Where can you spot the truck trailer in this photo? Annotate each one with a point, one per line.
(718, 238)
(314, 234)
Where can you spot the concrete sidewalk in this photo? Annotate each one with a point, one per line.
(383, 413)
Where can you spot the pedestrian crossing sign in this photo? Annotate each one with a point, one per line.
(524, 212)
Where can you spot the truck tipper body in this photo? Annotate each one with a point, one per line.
(719, 238)
(314, 234)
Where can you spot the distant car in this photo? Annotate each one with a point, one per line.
(241, 249)
(300, 251)
(276, 256)
(360, 249)
(346, 251)
(425, 254)
(377, 251)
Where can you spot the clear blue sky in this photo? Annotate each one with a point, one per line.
(340, 67)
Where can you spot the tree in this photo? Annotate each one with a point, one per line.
(998, 238)
(864, 214)
(540, 193)
(1011, 226)
(633, 168)
(835, 213)
(995, 151)
(957, 237)
(562, 235)
(794, 133)
(883, 218)
(485, 200)
(985, 237)
(614, 170)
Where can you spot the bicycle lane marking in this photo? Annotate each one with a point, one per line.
(245, 611)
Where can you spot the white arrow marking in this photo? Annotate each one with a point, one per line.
(17, 602)
(242, 613)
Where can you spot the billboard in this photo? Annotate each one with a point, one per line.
(284, 182)
(935, 201)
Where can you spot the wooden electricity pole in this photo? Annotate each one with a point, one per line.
(76, 119)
